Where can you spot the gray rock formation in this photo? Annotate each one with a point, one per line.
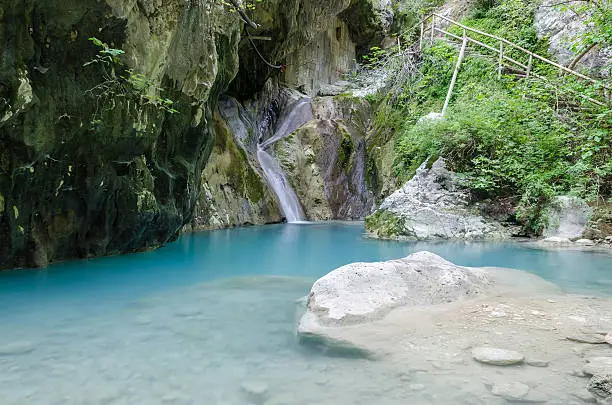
(317, 41)
(567, 218)
(325, 160)
(433, 204)
(562, 26)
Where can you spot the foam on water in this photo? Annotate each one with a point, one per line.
(193, 322)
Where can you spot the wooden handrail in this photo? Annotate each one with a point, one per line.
(432, 28)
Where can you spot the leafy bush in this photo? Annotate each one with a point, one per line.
(509, 137)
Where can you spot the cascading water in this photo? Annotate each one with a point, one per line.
(298, 115)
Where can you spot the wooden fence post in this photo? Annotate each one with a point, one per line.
(421, 37)
(529, 65)
(501, 59)
(455, 73)
(433, 27)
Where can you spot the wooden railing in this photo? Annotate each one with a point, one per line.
(432, 25)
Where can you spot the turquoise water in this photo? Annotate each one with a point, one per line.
(192, 322)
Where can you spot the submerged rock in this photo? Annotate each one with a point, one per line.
(255, 392)
(17, 348)
(598, 366)
(432, 205)
(601, 387)
(537, 363)
(511, 391)
(497, 357)
(590, 338)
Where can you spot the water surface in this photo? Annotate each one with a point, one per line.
(194, 321)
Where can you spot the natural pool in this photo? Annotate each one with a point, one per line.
(193, 322)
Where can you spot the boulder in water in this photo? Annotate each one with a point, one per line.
(511, 391)
(360, 292)
(365, 292)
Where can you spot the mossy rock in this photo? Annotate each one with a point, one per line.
(384, 224)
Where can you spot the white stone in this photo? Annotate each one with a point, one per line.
(609, 338)
(255, 391)
(585, 242)
(17, 348)
(537, 363)
(591, 338)
(557, 240)
(496, 356)
(498, 314)
(432, 116)
(598, 366)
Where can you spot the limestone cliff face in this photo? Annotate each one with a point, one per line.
(234, 192)
(316, 41)
(93, 159)
(91, 166)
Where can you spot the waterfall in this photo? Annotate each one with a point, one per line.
(299, 114)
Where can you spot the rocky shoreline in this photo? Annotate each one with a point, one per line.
(518, 338)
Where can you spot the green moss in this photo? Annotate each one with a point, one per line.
(147, 202)
(240, 174)
(1, 204)
(345, 151)
(384, 224)
(347, 96)
(253, 183)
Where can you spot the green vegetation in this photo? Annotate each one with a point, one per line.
(385, 223)
(345, 151)
(240, 174)
(118, 82)
(520, 138)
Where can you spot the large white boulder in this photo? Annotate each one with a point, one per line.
(360, 292)
(364, 292)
